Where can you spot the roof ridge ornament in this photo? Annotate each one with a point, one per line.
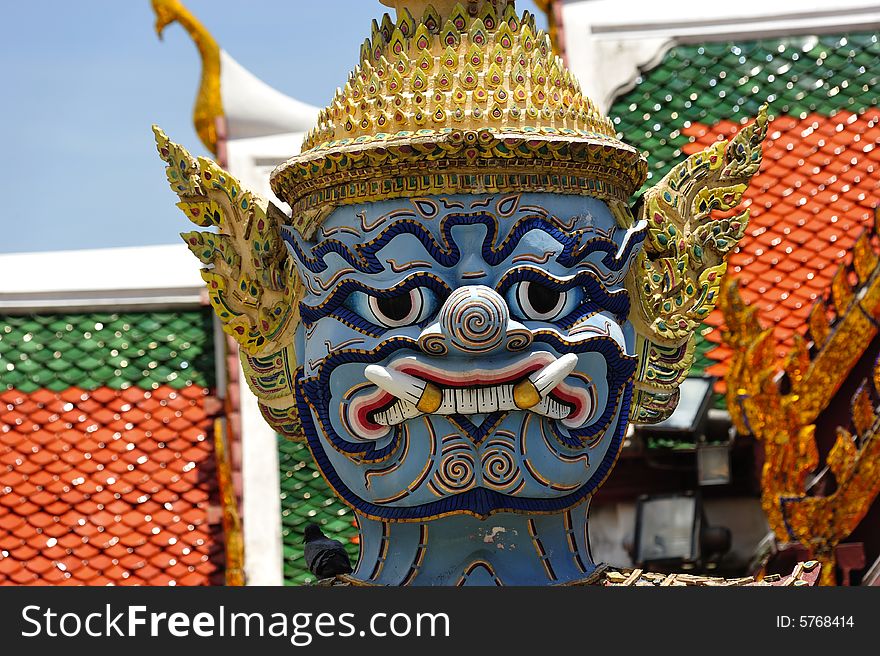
(209, 103)
(785, 422)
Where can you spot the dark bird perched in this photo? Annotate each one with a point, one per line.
(324, 557)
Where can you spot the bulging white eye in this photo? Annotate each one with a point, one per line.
(402, 309)
(538, 302)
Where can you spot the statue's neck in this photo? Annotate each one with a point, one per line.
(505, 549)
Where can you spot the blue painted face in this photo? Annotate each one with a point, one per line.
(466, 354)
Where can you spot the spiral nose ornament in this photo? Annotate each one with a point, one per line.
(474, 319)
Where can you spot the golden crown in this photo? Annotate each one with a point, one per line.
(469, 100)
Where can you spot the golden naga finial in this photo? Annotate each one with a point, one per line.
(209, 104)
(232, 531)
(785, 421)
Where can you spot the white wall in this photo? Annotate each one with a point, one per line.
(607, 41)
(117, 278)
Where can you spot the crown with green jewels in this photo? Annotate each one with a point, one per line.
(469, 100)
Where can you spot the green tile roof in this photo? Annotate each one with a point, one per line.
(712, 82)
(117, 350)
(306, 498)
(703, 346)
(702, 361)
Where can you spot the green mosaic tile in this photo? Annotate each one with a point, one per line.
(701, 359)
(711, 82)
(702, 362)
(90, 350)
(654, 443)
(306, 498)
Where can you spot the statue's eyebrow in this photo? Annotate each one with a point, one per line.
(444, 250)
(600, 298)
(334, 301)
(363, 256)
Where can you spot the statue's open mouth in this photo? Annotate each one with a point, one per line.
(409, 387)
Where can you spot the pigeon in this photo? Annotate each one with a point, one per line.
(325, 558)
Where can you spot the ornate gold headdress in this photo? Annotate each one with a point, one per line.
(463, 100)
(468, 99)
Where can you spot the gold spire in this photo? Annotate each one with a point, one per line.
(462, 100)
(444, 8)
(209, 104)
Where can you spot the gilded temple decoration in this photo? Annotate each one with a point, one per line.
(209, 104)
(232, 533)
(461, 313)
(678, 273)
(785, 421)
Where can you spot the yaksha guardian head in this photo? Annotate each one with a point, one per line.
(462, 314)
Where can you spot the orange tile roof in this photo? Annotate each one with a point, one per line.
(108, 487)
(814, 195)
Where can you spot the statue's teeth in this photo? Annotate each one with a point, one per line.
(467, 401)
(403, 386)
(529, 393)
(546, 379)
(397, 414)
(549, 407)
(417, 396)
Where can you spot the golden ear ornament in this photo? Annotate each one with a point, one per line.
(674, 282)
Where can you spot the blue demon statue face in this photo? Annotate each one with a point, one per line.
(466, 356)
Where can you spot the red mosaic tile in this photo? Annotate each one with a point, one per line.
(88, 473)
(816, 198)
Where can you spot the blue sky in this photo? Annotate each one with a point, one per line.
(85, 80)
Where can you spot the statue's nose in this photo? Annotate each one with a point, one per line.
(474, 319)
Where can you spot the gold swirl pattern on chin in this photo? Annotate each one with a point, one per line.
(455, 472)
(500, 470)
